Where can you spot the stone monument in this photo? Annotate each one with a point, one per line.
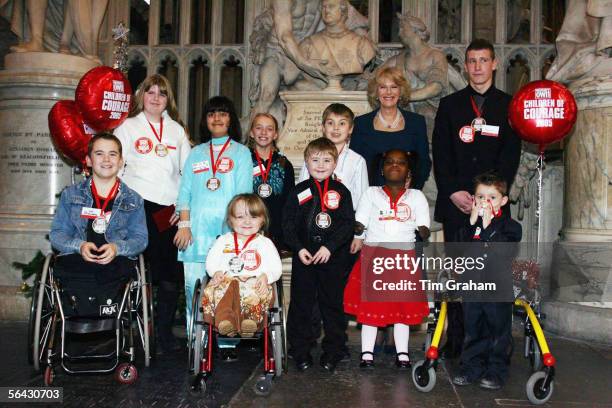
(582, 280)
(33, 173)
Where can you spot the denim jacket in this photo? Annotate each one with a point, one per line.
(127, 226)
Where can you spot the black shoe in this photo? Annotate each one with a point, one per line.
(346, 356)
(229, 355)
(461, 380)
(490, 383)
(402, 365)
(303, 364)
(367, 364)
(329, 364)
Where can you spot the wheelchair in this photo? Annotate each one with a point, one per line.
(539, 386)
(202, 336)
(49, 325)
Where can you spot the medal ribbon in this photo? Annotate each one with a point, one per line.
(264, 174)
(215, 163)
(111, 194)
(477, 111)
(248, 241)
(392, 202)
(161, 129)
(322, 193)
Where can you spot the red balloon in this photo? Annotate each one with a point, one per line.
(103, 97)
(68, 131)
(542, 112)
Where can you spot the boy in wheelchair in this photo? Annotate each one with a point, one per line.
(242, 264)
(99, 229)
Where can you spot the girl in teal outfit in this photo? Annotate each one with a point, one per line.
(214, 173)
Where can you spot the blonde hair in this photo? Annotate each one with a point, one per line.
(165, 89)
(396, 76)
(321, 145)
(251, 141)
(255, 206)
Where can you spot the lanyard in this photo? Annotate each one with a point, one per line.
(215, 163)
(248, 241)
(392, 202)
(266, 173)
(110, 196)
(322, 193)
(477, 111)
(161, 130)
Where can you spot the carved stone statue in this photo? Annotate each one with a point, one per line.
(278, 61)
(79, 29)
(584, 44)
(340, 50)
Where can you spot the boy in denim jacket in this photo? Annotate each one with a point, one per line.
(99, 227)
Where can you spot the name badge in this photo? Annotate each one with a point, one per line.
(256, 171)
(305, 196)
(200, 167)
(490, 130)
(88, 212)
(386, 215)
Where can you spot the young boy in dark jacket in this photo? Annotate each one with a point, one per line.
(488, 325)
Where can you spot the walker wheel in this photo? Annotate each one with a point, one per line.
(424, 378)
(536, 394)
(198, 386)
(263, 387)
(126, 373)
(49, 376)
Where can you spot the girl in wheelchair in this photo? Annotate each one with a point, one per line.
(242, 264)
(99, 229)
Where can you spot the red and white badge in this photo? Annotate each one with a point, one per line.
(403, 212)
(256, 171)
(304, 196)
(225, 165)
(143, 145)
(200, 167)
(466, 134)
(251, 259)
(332, 199)
(90, 213)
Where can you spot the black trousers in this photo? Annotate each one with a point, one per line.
(166, 270)
(323, 284)
(488, 340)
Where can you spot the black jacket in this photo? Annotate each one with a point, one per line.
(457, 163)
(300, 231)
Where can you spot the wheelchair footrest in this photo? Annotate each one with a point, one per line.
(84, 325)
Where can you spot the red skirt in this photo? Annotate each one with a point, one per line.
(380, 313)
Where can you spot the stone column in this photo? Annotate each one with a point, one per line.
(31, 172)
(582, 271)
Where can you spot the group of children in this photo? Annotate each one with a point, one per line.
(234, 236)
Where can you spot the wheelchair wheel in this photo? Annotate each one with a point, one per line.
(279, 332)
(196, 331)
(44, 301)
(32, 321)
(143, 308)
(126, 373)
(424, 378)
(263, 386)
(536, 393)
(49, 376)
(535, 355)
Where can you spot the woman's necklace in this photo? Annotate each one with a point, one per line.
(394, 124)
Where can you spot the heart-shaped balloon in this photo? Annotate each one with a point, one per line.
(69, 132)
(103, 97)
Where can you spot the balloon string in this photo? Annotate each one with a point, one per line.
(540, 167)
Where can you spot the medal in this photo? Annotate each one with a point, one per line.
(235, 263)
(161, 150)
(264, 190)
(323, 219)
(479, 121)
(214, 183)
(99, 223)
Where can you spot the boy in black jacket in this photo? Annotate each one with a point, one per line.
(318, 224)
(488, 325)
